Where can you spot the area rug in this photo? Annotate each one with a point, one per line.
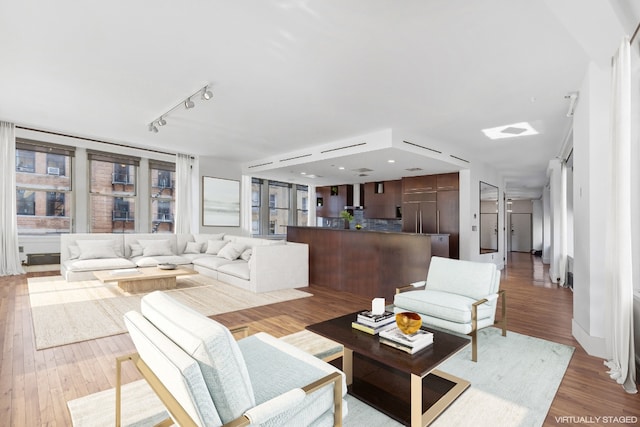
(68, 312)
(512, 385)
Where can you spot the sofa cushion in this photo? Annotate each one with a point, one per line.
(468, 278)
(179, 372)
(246, 254)
(212, 345)
(152, 261)
(214, 246)
(237, 268)
(204, 239)
(193, 248)
(210, 261)
(231, 251)
(95, 249)
(442, 305)
(270, 362)
(74, 251)
(98, 264)
(136, 250)
(156, 247)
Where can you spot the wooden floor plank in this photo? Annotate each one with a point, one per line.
(35, 385)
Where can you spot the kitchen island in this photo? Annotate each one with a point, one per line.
(367, 263)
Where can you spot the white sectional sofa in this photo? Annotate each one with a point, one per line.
(258, 265)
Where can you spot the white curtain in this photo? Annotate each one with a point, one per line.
(562, 267)
(184, 204)
(9, 257)
(619, 276)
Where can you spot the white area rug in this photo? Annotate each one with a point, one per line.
(512, 385)
(67, 312)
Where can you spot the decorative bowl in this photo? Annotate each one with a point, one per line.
(408, 322)
(167, 266)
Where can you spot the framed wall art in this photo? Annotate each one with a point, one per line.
(220, 202)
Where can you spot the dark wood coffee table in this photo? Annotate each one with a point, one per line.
(406, 387)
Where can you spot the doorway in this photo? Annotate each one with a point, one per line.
(521, 239)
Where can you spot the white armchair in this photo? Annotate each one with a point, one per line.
(459, 296)
(206, 378)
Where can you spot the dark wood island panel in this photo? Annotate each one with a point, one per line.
(367, 263)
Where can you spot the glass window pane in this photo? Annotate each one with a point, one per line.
(42, 212)
(112, 214)
(112, 178)
(162, 199)
(25, 161)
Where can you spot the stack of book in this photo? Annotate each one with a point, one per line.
(409, 343)
(374, 323)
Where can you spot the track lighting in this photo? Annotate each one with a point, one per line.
(205, 94)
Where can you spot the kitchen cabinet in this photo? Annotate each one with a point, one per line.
(330, 200)
(382, 200)
(432, 205)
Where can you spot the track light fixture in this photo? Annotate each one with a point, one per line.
(205, 94)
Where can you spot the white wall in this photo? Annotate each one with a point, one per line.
(537, 218)
(470, 214)
(590, 178)
(212, 167)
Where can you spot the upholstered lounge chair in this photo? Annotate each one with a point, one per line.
(205, 377)
(459, 296)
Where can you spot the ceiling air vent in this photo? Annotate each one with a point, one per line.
(413, 169)
(362, 170)
(423, 147)
(261, 164)
(296, 157)
(363, 174)
(344, 148)
(459, 158)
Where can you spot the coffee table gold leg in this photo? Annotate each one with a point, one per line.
(416, 401)
(347, 365)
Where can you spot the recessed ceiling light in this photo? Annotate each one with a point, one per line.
(391, 161)
(510, 131)
(303, 173)
(341, 168)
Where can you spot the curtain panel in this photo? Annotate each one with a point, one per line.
(9, 256)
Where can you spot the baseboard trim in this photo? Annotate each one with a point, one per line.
(594, 346)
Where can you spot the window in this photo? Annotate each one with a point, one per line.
(274, 206)
(162, 196)
(25, 161)
(302, 204)
(55, 204)
(112, 192)
(256, 191)
(43, 187)
(56, 165)
(26, 202)
(279, 193)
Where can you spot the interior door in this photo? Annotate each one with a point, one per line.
(521, 232)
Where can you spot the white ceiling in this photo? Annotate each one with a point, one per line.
(287, 75)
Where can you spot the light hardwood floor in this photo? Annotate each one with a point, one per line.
(35, 385)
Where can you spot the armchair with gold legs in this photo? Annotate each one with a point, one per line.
(206, 378)
(458, 296)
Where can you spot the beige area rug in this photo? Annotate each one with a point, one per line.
(68, 312)
(512, 385)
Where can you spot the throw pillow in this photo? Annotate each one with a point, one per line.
(156, 247)
(214, 246)
(95, 249)
(246, 254)
(136, 250)
(74, 251)
(193, 248)
(231, 251)
(204, 239)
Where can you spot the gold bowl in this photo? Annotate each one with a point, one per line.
(408, 322)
